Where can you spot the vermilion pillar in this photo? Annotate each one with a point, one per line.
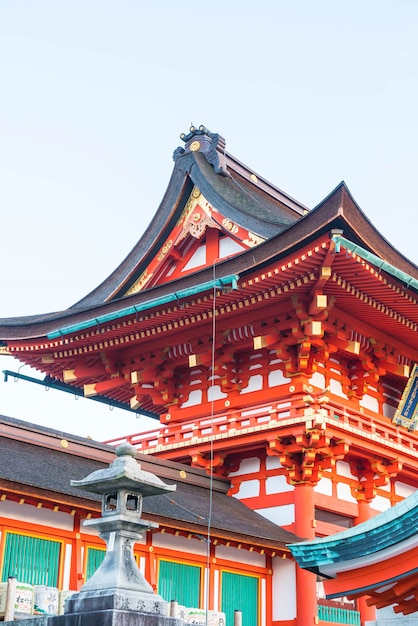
(306, 608)
(77, 574)
(371, 474)
(367, 613)
(305, 455)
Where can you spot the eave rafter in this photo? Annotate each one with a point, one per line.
(217, 538)
(52, 502)
(300, 320)
(375, 304)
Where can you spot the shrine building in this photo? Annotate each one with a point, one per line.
(273, 344)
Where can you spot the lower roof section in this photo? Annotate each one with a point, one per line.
(377, 558)
(368, 541)
(39, 463)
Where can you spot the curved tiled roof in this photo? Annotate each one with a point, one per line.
(39, 465)
(295, 247)
(237, 192)
(376, 535)
(377, 559)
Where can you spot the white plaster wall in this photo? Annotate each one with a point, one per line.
(370, 403)
(324, 486)
(388, 410)
(247, 466)
(263, 602)
(255, 383)
(284, 589)
(343, 469)
(403, 490)
(248, 489)
(335, 387)
(273, 462)
(380, 503)
(245, 557)
(277, 484)
(32, 515)
(277, 378)
(317, 380)
(67, 566)
(228, 246)
(181, 544)
(344, 493)
(195, 397)
(197, 259)
(280, 515)
(216, 606)
(215, 393)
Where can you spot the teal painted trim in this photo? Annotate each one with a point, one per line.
(337, 615)
(407, 279)
(137, 308)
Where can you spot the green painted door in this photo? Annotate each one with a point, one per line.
(240, 593)
(181, 582)
(94, 559)
(31, 560)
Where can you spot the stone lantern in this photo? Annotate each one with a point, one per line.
(118, 583)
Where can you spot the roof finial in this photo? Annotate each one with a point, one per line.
(210, 144)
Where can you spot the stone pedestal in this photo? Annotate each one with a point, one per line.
(110, 617)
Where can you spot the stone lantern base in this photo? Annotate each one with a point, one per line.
(110, 617)
(136, 602)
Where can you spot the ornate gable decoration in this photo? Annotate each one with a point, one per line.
(193, 245)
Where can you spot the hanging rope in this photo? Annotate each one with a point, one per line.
(212, 412)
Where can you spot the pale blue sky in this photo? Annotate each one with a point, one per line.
(94, 96)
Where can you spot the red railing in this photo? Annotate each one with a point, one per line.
(267, 418)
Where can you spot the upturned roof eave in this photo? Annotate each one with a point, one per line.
(232, 201)
(333, 213)
(341, 200)
(154, 235)
(372, 537)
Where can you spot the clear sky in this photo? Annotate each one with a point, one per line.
(93, 98)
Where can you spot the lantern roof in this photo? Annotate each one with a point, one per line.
(124, 473)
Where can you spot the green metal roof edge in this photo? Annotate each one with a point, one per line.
(49, 382)
(136, 308)
(385, 529)
(409, 280)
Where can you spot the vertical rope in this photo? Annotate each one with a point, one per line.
(212, 412)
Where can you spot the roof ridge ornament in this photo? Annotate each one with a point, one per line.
(211, 145)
